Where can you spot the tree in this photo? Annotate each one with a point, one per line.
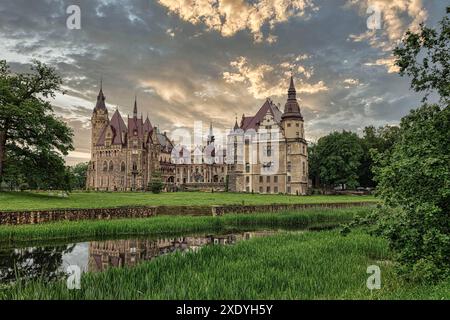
(337, 157)
(374, 140)
(156, 184)
(32, 139)
(414, 177)
(425, 57)
(78, 176)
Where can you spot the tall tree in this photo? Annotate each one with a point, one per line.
(78, 174)
(374, 140)
(338, 156)
(414, 178)
(425, 57)
(31, 137)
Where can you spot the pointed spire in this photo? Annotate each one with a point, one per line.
(135, 107)
(292, 108)
(292, 93)
(236, 126)
(100, 105)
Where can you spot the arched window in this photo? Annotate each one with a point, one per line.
(134, 166)
(105, 166)
(122, 167)
(111, 166)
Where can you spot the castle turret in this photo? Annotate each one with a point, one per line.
(296, 146)
(99, 117)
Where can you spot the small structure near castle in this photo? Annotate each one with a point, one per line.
(265, 153)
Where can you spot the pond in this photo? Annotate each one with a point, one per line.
(50, 262)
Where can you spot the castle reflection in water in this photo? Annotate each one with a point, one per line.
(119, 253)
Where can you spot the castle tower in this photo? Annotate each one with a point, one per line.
(296, 146)
(99, 118)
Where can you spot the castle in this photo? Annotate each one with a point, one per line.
(265, 153)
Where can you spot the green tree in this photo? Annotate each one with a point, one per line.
(374, 140)
(78, 176)
(156, 183)
(337, 158)
(425, 57)
(32, 139)
(414, 177)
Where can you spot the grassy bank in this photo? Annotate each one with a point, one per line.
(39, 201)
(315, 265)
(160, 225)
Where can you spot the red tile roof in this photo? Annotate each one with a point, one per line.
(253, 122)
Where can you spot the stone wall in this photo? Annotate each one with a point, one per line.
(42, 216)
(221, 210)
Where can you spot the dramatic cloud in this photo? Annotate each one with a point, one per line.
(230, 16)
(210, 60)
(397, 16)
(264, 80)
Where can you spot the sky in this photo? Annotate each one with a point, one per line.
(213, 60)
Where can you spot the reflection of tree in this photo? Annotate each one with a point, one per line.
(32, 263)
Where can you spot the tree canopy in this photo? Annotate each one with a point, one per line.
(33, 140)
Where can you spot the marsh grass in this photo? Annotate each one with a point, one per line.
(172, 225)
(311, 265)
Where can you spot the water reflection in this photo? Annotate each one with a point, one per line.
(50, 262)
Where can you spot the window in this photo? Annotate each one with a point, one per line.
(260, 179)
(288, 189)
(268, 179)
(297, 133)
(247, 179)
(268, 189)
(260, 189)
(289, 125)
(289, 178)
(289, 166)
(134, 166)
(275, 189)
(111, 166)
(275, 179)
(247, 189)
(247, 167)
(105, 166)
(297, 124)
(269, 151)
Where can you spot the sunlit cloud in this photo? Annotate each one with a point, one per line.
(231, 16)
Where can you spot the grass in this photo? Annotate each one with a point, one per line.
(313, 265)
(21, 201)
(163, 225)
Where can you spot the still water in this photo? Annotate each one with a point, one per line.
(51, 262)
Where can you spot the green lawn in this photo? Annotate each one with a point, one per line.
(312, 265)
(36, 201)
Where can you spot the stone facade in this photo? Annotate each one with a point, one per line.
(265, 153)
(269, 151)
